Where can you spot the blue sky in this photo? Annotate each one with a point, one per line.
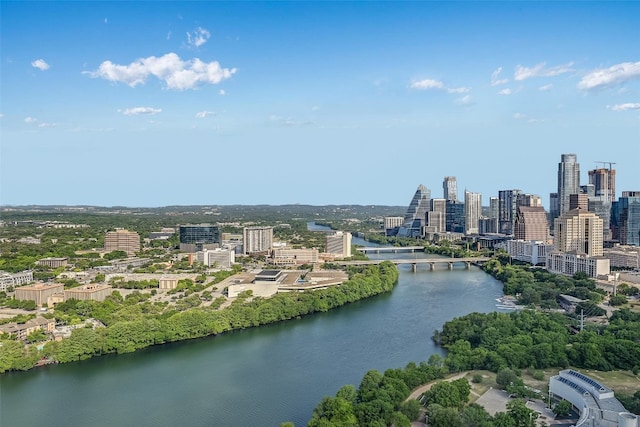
(176, 103)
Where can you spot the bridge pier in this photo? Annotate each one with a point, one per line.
(450, 265)
(468, 263)
(414, 267)
(432, 266)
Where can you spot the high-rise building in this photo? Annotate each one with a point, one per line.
(507, 204)
(122, 240)
(391, 224)
(472, 212)
(568, 180)
(455, 219)
(339, 243)
(578, 201)
(578, 231)
(450, 188)
(257, 240)
(604, 181)
(554, 206)
(198, 237)
(436, 217)
(416, 215)
(625, 218)
(531, 224)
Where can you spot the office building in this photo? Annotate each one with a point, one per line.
(580, 232)
(578, 201)
(554, 207)
(455, 220)
(221, 258)
(291, 257)
(534, 252)
(197, 237)
(625, 218)
(416, 215)
(472, 212)
(257, 240)
(600, 206)
(38, 292)
(339, 244)
(436, 216)
(450, 188)
(53, 262)
(93, 292)
(122, 240)
(507, 204)
(623, 256)
(391, 224)
(572, 263)
(568, 180)
(531, 224)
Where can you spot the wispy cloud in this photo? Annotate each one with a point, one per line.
(528, 119)
(30, 120)
(222, 92)
(47, 125)
(495, 78)
(625, 106)
(506, 91)
(427, 84)
(288, 121)
(176, 73)
(545, 88)
(541, 70)
(40, 64)
(465, 100)
(136, 111)
(612, 76)
(198, 37)
(203, 114)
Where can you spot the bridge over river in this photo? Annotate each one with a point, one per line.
(387, 249)
(432, 262)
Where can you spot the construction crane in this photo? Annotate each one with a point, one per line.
(606, 163)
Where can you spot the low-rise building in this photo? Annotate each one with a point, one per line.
(531, 251)
(168, 282)
(223, 258)
(15, 279)
(623, 256)
(572, 263)
(286, 256)
(38, 292)
(93, 292)
(23, 330)
(53, 262)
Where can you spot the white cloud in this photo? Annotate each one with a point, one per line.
(168, 35)
(459, 90)
(625, 106)
(540, 70)
(607, 77)
(545, 88)
(465, 100)
(1, 115)
(140, 110)
(176, 73)
(203, 114)
(47, 125)
(222, 92)
(520, 116)
(198, 37)
(40, 64)
(495, 80)
(30, 119)
(505, 92)
(427, 84)
(288, 121)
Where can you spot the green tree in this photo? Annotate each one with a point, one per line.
(506, 377)
(562, 408)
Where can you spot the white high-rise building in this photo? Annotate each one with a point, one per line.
(339, 244)
(472, 212)
(257, 239)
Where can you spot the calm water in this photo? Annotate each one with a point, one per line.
(258, 377)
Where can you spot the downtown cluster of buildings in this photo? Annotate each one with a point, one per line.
(586, 229)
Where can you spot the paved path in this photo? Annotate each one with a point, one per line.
(418, 391)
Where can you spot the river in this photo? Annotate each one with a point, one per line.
(257, 377)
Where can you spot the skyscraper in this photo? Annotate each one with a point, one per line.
(507, 204)
(580, 232)
(568, 180)
(197, 237)
(450, 188)
(416, 215)
(472, 212)
(625, 218)
(436, 217)
(531, 224)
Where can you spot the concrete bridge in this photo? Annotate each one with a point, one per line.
(389, 249)
(432, 262)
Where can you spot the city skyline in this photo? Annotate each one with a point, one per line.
(148, 104)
